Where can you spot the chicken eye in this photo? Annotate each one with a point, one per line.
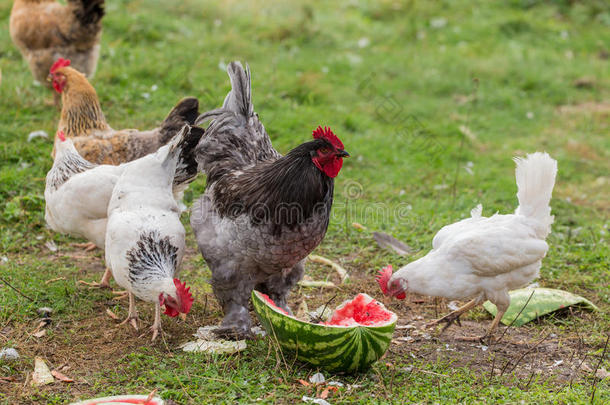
(324, 151)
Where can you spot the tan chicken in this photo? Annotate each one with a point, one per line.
(83, 121)
(45, 30)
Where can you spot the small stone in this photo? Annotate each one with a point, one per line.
(42, 374)
(45, 312)
(51, 246)
(9, 354)
(318, 401)
(317, 378)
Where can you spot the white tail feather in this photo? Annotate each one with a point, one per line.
(535, 176)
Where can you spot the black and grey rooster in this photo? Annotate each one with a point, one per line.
(262, 213)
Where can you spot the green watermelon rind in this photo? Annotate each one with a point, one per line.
(348, 349)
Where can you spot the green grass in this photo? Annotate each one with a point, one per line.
(396, 80)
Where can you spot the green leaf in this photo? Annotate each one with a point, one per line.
(543, 301)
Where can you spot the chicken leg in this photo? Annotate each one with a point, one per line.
(278, 286)
(132, 316)
(232, 290)
(490, 331)
(455, 315)
(236, 322)
(156, 327)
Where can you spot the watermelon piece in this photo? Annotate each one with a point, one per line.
(357, 335)
(542, 302)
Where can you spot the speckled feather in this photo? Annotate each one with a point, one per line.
(153, 256)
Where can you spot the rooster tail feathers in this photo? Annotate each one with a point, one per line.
(181, 149)
(238, 102)
(535, 175)
(210, 115)
(239, 99)
(88, 12)
(185, 112)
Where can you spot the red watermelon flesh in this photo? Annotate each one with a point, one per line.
(362, 310)
(270, 302)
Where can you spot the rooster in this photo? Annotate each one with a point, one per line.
(82, 120)
(145, 239)
(77, 192)
(262, 213)
(45, 30)
(485, 257)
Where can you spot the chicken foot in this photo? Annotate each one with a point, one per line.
(132, 316)
(454, 316)
(88, 247)
(104, 283)
(490, 331)
(156, 326)
(236, 323)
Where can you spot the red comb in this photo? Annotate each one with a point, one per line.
(328, 135)
(383, 277)
(61, 136)
(59, 63)
(186, 298)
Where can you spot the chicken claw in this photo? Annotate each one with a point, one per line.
(233, 333)
(88, 247)
(132, 317)
(120, 295)
(94, 284)
(453, 316)
(133, 321)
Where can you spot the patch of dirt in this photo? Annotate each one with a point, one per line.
(582, 150)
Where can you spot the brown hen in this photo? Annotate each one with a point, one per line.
(45, 30)
(82, 120)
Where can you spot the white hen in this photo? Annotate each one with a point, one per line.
(486, 257)
(145, 239)
(77, 193)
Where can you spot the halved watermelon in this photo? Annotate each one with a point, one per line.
(357, 335)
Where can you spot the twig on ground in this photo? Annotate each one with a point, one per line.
(493, 367)
(16, 290)
(320, 316)
(438, 385)
(529, 381)
(529, 351)
(601, 359)
(513, 321)
(54, 280)
(322, 260)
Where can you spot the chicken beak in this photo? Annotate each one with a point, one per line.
(49, 78)
(342, 154)
(182, 316)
